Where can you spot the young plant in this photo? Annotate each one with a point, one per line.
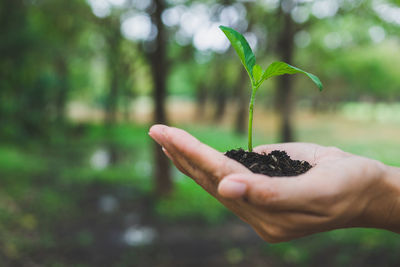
(256, 73)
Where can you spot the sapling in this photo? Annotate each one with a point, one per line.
(256, 73)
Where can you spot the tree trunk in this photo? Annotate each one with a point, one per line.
(201, 97)
(114, 39)
(285, 102)
(111, 108)
(242, 103)
(158, 62)
(220, 104)
(62, 93)
(220, 93)
(127, 107)
(284, 90)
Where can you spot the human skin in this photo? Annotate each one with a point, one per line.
(342, 190)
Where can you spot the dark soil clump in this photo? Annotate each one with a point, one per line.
(276, 163)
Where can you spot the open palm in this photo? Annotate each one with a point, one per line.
(341, 190)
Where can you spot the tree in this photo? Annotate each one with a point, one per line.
(284, 90)
(39, 40)
(158, 63)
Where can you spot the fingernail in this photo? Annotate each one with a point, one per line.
(231, 188)
(157, 133)
(156, 128)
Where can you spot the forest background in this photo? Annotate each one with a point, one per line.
(82, 184)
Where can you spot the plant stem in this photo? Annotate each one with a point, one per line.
(251, 106)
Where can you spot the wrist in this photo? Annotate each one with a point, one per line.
(380, 200)
(391, 180)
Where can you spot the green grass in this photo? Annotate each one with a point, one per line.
(14, 159)
(190, 202)
(41, 185)
(136, 166)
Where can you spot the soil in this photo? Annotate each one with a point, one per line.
(276, 163)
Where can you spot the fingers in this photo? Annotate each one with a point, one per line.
(177, 165)
(273, 193)
(197, 160)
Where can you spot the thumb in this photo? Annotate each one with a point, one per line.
(263, 190)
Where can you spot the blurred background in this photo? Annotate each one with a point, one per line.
(82, 184)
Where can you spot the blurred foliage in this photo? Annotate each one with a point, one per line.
(72, 186)
(53, 200)
(55, 52)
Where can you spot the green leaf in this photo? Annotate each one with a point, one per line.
(257, 73)
(242, 48)
(280, 68)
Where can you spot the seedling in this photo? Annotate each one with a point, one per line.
(256, 73)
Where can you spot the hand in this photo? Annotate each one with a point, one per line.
(341, 190)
